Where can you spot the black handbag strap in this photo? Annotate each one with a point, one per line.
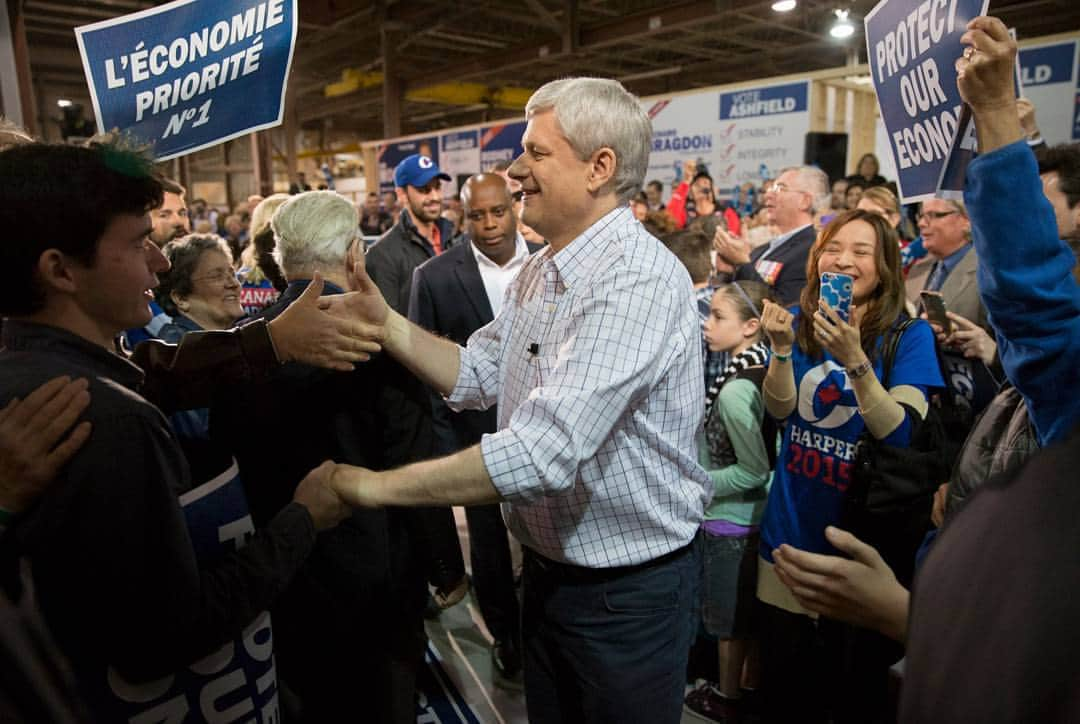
(892, 344)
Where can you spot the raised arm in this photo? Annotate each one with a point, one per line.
(1025, 279)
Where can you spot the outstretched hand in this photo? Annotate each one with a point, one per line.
(351, 483)
(315, 492)
(37, 439)
(306, 333)
(861, 590)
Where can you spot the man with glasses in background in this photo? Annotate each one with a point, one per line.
(790, 204)
(950, 264)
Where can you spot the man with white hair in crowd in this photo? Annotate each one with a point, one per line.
(349, 631)
(790, 204)
(594, 362)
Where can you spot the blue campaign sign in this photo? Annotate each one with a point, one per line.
(1048, 64)
(500, 143)
(458, 141)
(1076, 117)
(191, 73)
(767, 101)
(393, 153)
(912, 47)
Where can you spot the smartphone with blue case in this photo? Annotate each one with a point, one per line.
(836, 292)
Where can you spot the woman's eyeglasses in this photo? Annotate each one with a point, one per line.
(219, 276)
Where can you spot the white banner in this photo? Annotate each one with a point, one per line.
(1048, 73)
(742, 135)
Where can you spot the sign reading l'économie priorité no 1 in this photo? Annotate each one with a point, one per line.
(912, 47)
(191, 73)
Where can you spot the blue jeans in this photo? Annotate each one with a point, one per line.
(608, 645)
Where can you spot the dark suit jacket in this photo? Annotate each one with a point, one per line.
(448, 298)
(361, 593)
(789, 283)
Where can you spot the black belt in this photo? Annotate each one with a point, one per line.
(583, 574)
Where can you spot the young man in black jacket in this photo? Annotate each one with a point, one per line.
(122, 585)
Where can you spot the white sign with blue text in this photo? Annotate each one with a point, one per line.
(912, 47)
(191, 73)
(742, 135)
(1048, 73)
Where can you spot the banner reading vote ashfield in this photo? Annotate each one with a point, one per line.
(191, 73)
(912, 47)
(745, 135)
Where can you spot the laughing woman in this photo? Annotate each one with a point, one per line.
(824, 383)
(200, 290)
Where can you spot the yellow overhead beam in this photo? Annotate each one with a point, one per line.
(351, 81)
(470, 94)
(452, 94)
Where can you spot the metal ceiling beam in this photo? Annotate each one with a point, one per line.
(777, 25)
(545, 15)
(608, 34)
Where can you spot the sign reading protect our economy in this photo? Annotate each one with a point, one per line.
(743, 135)
(912, 47)
(191, 73)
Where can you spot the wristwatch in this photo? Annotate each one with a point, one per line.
(859, 370)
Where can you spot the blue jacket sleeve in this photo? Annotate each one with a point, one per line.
(1026, 283)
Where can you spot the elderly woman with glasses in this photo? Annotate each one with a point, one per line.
(200, 290)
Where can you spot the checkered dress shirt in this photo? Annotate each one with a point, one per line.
(595, 364)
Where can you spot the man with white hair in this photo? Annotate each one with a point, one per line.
(594, 362)
(790, 204)
(349, 631)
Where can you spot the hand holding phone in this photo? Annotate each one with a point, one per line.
(836, 290)
(934, 304)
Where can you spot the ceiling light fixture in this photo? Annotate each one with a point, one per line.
(784, 6)
(63, 103)
(842, 28)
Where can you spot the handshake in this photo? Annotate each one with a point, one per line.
(330, 492)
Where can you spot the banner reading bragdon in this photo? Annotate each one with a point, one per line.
(192, 73)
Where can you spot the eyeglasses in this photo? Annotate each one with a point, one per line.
(219, 276)
(934, 215)
(778, 188)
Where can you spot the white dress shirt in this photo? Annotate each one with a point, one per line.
(497, 278)
(595, 363)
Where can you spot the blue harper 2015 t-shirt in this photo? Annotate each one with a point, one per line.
(818, 444)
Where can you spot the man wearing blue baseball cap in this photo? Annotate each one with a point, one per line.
(419, 234)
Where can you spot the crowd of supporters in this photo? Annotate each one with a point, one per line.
(846, 434)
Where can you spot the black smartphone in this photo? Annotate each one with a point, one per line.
(934, 304)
